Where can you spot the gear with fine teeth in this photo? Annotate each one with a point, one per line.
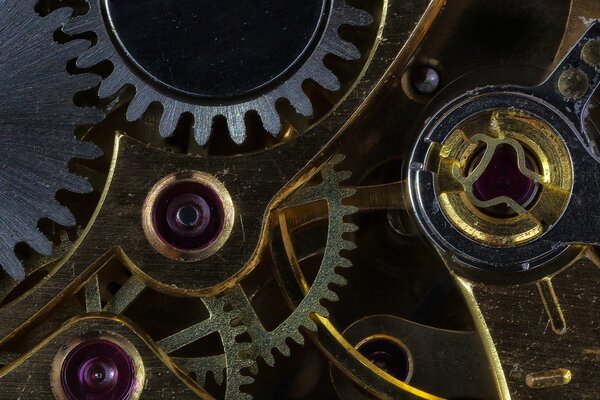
(37, 146)
(214, 59)
(233, 315)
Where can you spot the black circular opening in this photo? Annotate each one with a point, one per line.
(217, 49)
(388, 356)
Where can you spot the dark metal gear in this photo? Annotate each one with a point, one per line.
(37, 119)
(217, 58)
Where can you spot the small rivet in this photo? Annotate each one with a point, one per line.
(573, 84)
(591, 53)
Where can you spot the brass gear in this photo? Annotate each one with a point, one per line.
(231, 313)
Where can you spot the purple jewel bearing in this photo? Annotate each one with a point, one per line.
(189, 215)
(98, 369)
(502, 178)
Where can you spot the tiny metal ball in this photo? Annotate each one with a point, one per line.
(425, 80)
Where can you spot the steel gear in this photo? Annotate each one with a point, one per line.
(241, 69)
(37, 146)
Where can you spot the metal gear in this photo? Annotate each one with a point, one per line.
(147, 66)
(231, 314)
(37, 146)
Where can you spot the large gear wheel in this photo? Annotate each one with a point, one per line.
(241, 69)
(232, 314)
(37, 146)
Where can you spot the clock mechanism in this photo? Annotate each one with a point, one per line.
(299, 200)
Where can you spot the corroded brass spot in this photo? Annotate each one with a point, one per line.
(573, 84)
(590, 53)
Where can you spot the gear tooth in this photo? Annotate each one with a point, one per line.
(110, 85)
(77, 184)
(60, 214)
(362, 18)
(348, 227)
(297, 337)
(348, 15)
(339, 280)
(339, 47)
(58, 17)
(253, 368)
(88, 81)
(284, 349)
(138, 106)
(345, 193)
(335, 160)
(349, 245)
(322, 311)
(246, 380)
(327, 79)
(90, 57)
(89, 116)
(237, 125)
(331, 296)
(202, 127)
(310, 324)
(271, 122)
(244, 396)
(39, 242)
(301, 103)
(269, 359)
(86, 151)
(344, 263)
(344, 176)
(75, 26)
(12, 265)
(84, 23)
(168, 121)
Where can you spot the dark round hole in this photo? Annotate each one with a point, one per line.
(388, 356)
(188, 215)
(502, 177)
(98, 370)
(218, 49)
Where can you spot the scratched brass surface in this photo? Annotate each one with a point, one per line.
(266, 316)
